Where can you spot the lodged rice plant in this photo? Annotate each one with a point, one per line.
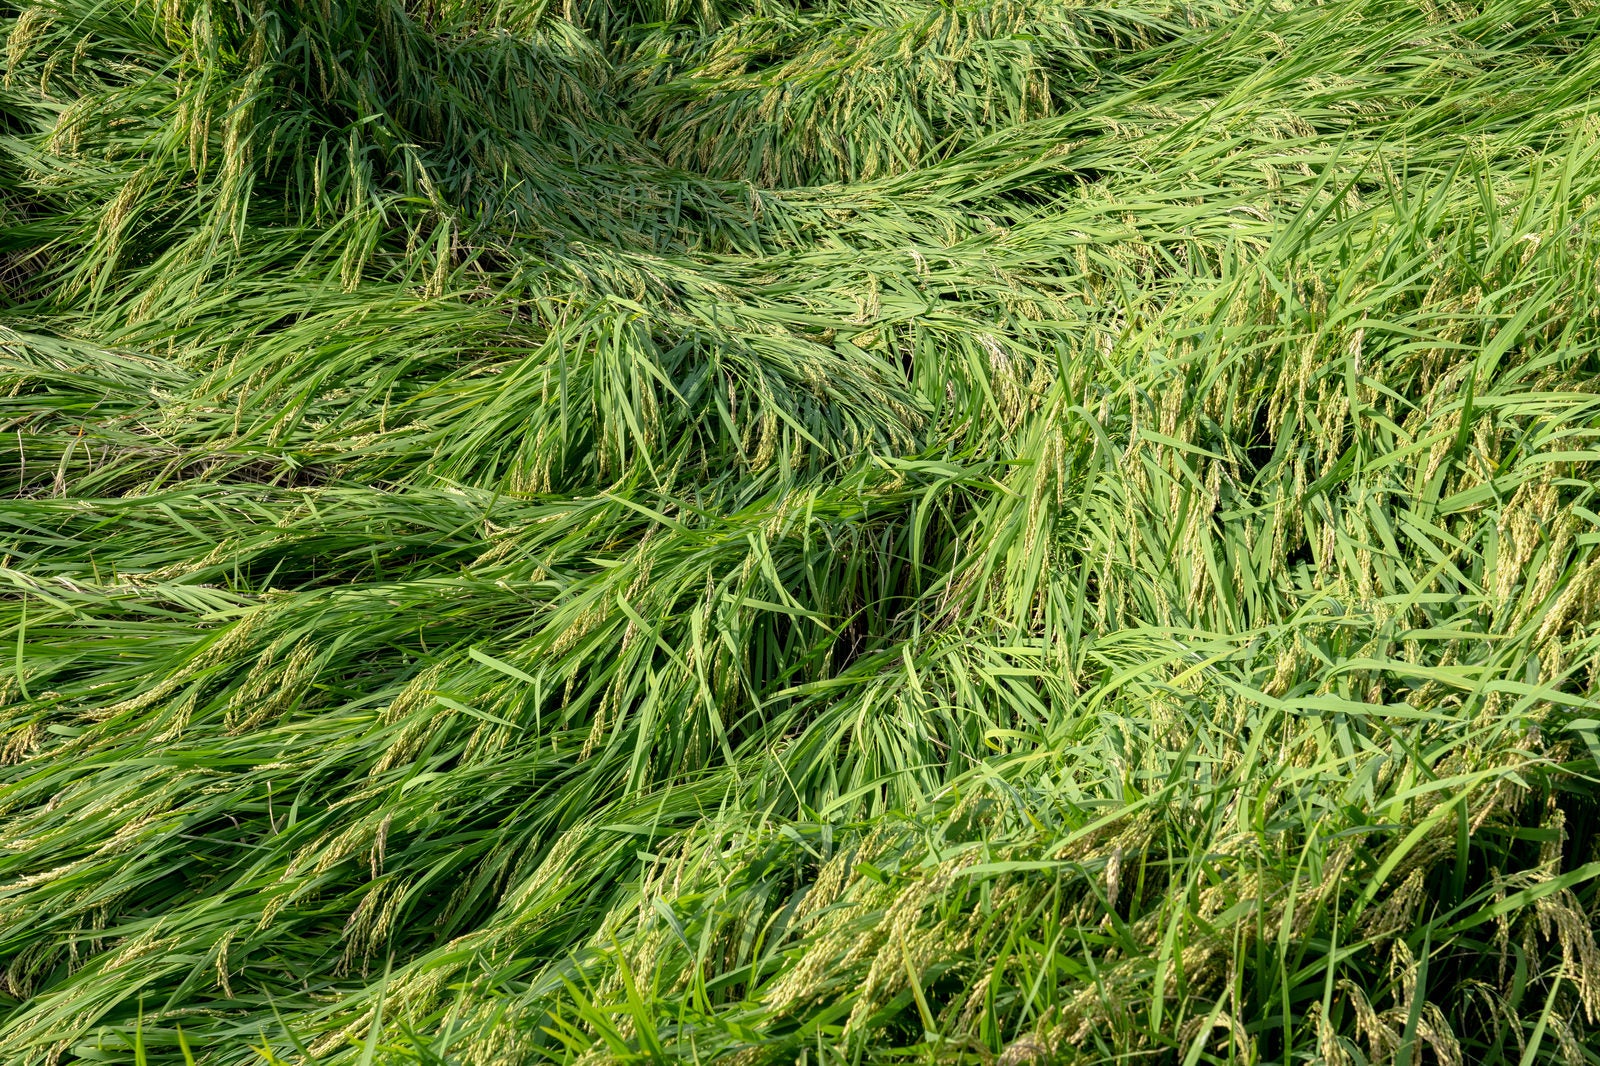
(820, 531)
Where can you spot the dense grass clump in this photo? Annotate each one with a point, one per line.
(822, 531)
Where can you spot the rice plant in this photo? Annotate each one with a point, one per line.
(821, 531)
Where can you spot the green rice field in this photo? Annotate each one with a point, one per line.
(831, 532)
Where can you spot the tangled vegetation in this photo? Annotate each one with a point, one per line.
(819, 531)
